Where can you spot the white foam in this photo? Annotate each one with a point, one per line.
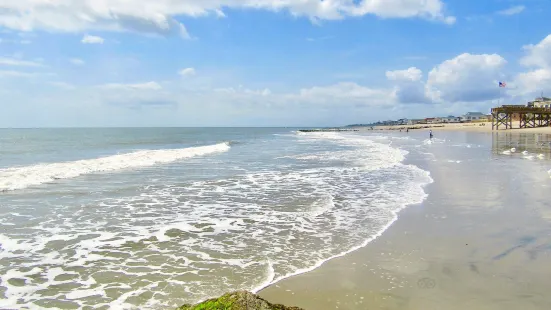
(258, 226)
(78, 294)
(412, 198)
(23, 177)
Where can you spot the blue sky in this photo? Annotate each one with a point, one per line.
(266, 62)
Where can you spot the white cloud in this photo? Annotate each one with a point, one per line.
(157, 16)
(25, 42)
(139, 86)
(345, 93)
(512, 10)
(24, 74)
(534, 81)
(187, 72)
(538, 55)
(411, 74)
(16, 62)
(77, 61)
(13, 73)
(538, 79)
(409, 86)
(466, 78)
(219, 13)
(432, 9)
(88, 39)
(243, 91)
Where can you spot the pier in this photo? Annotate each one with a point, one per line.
(528, 117)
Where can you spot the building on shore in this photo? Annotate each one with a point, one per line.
(474, 117)
(541, 102)
(450, 119)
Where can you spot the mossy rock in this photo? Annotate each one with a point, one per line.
(237, 301)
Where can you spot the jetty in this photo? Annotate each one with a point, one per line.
(528, 116)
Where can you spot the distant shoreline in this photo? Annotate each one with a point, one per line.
(478, 126)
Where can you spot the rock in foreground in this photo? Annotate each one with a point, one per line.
(237, 301)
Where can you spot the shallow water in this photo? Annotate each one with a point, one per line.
(154, 218)
(481, 239)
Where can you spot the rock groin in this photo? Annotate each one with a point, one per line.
(237, 301)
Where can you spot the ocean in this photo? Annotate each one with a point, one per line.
(152, 218)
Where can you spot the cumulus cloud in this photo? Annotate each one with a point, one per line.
(187, 72)
(466, 78)
(157, 17)
(538, 55)
(88, 39)
(77, 61)
(512, 10)
(538, 58)
(139, 86)
(533, 82)
(409, 87)
(430, 9)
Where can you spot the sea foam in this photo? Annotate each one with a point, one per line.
(23, 177)
(198, 238)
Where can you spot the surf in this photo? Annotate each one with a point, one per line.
(16, 178)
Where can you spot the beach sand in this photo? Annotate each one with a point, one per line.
(481, 240)
(477, 127)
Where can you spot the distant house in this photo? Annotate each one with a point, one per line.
(474, 116)
(416, 121)
(541, 102)
(433, 120)
(451, 119)
(403, 121)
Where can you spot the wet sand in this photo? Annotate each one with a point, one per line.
(481, 240)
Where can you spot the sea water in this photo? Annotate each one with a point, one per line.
(153, 218)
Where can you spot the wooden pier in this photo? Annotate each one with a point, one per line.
(528, 117)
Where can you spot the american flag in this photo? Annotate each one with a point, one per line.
(502, 84)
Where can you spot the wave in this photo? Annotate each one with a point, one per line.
(23, 177)
(259, 226)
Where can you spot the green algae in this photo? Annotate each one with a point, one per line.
(237, 301)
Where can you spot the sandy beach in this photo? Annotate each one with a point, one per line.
(481, 239)
(477, 127)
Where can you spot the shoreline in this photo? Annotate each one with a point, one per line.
(408, 267)
(471, 127)
(320, 264)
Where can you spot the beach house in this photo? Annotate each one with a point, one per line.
(474, 117)
(416, 121)
(432, 120)
(450, 119)
(541, 102)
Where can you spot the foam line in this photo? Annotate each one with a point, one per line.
(23, 177)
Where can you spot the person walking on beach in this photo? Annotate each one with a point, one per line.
(430, 134)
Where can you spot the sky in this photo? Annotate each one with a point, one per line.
(193, 63)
